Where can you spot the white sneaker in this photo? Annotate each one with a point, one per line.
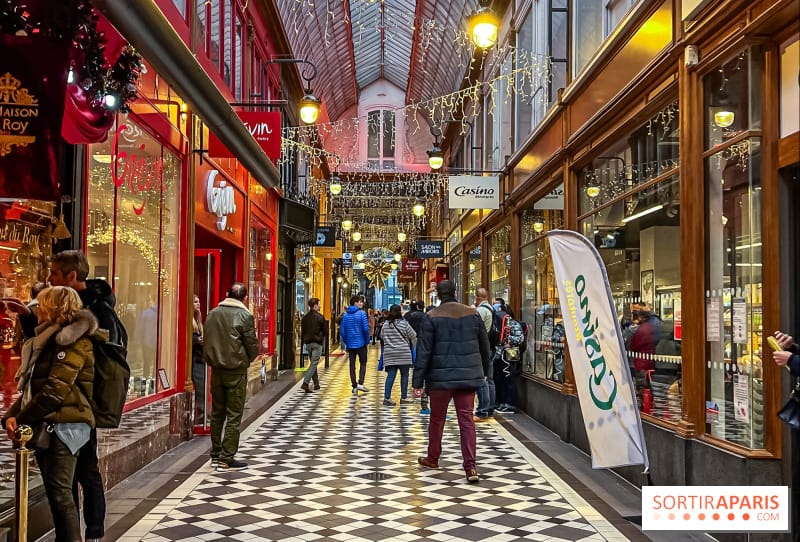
(361, 387)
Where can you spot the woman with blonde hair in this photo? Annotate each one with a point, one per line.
(199, 370)
(56, 381)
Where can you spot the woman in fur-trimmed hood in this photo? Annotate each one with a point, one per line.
(56, 380)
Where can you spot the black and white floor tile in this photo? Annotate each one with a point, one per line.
(332, 466)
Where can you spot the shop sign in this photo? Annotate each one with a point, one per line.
(140, 173)
(442, 273)
(326, 236)
(17, 108)
(220, 199)
(329, 252)
(14, 232)
(474, 192)
(264, 126)
(411, 265)
(553, 200)
(430, 249)
(405, 277)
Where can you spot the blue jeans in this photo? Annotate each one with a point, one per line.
(486, 394)
(391, 373)
(314, 353)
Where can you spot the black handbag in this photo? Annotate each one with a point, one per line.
(42, 435)
(790, 413)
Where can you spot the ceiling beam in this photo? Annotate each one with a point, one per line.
(349, 18)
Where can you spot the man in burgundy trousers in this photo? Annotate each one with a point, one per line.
(453, 357)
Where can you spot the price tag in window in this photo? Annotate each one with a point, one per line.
(739, 320)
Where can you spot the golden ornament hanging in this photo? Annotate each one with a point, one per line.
(60, 231)
(377, 272)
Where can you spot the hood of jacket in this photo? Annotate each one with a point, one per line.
(95, 290)
(352, 309)
(230, 302)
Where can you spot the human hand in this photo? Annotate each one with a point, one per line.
(784, 340)
(781, 358)
(11, 428)
(417, 392)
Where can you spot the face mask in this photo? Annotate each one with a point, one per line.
(497, 306)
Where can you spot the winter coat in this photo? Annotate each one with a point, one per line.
(98, 298)
(61, 379)
(453, 350)
(395, 337)
(643, 344)
(355, 328)
(229, 341)
(415, 319)
(313, 327)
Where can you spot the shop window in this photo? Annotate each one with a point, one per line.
(734, 333)
(544, 356)
(594, 21)
(456, 270)
(132, 243)
(238, 59)
(630, 209)
(500, 263)
(260, 288)
(381, 139)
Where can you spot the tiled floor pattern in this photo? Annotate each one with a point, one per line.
(331, 466)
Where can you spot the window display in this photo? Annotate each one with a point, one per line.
(500, 262)
(734, 334)
(630, 208)
(133, 228)
(474, 269)
(261, 257)
(544, 356)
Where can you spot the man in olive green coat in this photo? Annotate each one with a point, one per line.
(229, 346)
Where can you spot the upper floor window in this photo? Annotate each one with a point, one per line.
(593, 22)
(380, 139)
(219, 33)
(181, 5)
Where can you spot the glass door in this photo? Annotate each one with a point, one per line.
(206, 288)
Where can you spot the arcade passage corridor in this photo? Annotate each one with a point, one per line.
(330, 466)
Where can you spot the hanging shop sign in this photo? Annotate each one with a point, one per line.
(220, 198)
(326, 236)
(430, 249)
(405, 277)
(474, 192)
(602, 377)
(329, 252)
(553, 200)
(264, 126)
(31, 106)
(411, 265)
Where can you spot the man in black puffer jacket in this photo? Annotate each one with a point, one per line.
(453, 356)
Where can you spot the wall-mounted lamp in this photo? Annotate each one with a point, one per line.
(482, 26)
(593, 191)
(436, 155)
(309, 104)
(538, 224)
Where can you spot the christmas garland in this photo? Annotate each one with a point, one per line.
(75, 21)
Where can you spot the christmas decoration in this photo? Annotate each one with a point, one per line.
(377, 271)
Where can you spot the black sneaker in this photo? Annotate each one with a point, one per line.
(233, 464)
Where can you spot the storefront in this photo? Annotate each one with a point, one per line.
(677, 182)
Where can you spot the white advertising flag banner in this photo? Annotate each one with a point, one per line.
(474, 192)
(602, 377)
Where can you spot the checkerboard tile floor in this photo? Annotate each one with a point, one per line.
(332, 466)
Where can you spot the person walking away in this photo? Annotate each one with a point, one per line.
(71, 268)
(56, 382)
(199, 370)
(486, 393)
(414, 316)
(355, 336)
(371, 318)
(397, 337)
(229, 347)
(314, 333)
(452, 359)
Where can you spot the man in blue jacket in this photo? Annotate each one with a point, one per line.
(453, 356)
(355, 335)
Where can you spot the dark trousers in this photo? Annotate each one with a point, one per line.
(795, 496)
(57, 466)
(464, 401)
(499, 380)
(199, 373)
(391, 374)
(87, 475)
(362, 359)
(228, 392)
(487, 394)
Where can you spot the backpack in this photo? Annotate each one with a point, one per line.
(111, 371)
(494, 330)
(512, 338)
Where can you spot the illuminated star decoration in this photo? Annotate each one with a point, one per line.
(377, 272)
